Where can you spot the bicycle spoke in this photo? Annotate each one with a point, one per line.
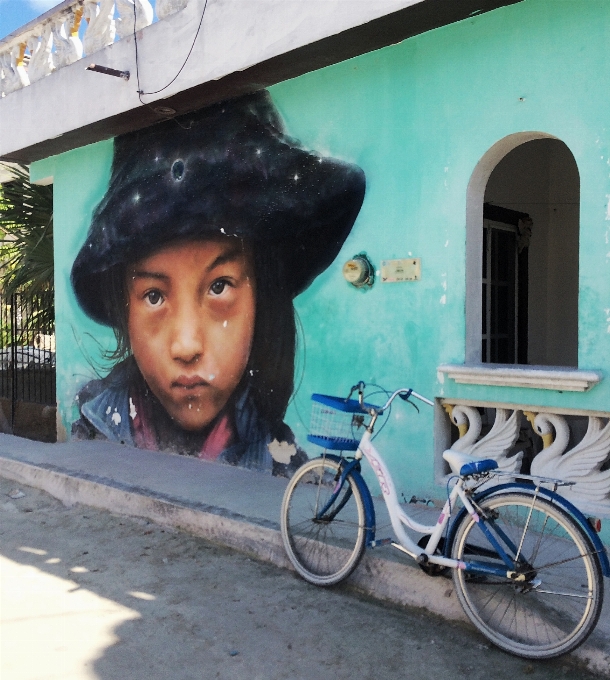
(557, 592)
(557, 607)
(569, 559)
(323, 550)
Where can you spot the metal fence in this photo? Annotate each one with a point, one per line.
(27, 349)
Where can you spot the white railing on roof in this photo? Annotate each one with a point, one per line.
(70, 31)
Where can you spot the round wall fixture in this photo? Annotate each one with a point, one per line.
(359, 271)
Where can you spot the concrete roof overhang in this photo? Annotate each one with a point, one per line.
(245, 45)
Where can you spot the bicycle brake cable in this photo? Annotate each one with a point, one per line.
(381, 390)
(413, 404)
(449, 492)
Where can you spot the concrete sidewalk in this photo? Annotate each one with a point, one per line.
(235, 507)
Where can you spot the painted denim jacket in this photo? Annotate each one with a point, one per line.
(106, 413)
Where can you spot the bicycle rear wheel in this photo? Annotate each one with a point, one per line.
(558, 603)
(324, 550)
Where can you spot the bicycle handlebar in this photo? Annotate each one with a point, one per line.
(404, 393)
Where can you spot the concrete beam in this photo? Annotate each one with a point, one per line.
(5, 173)
(243, 46)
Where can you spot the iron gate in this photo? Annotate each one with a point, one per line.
(27, 349)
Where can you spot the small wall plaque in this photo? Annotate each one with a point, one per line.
(395, 271)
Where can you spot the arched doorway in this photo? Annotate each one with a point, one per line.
(522, 254)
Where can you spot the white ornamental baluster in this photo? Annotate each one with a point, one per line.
(144, 16)
(499, 441)
(581, 465)
(41, 63)
(468, 422)
(166, 7)
(14, 73)
(68, 46)
(496, 444)
(101, 29)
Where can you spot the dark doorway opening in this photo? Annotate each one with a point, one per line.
(504, 286)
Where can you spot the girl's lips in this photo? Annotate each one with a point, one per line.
(188, 383)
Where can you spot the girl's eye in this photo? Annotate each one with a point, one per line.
(218, 287)
(154, 298)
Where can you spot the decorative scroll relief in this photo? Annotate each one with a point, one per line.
(14, 74)
(167, 7)
(68, 46)
(143, 13)
(587, 463)
(582, 464)
(41, 62)
(101, 29)
(496, 444)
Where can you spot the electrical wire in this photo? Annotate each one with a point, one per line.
(380, 390)
(135, 42)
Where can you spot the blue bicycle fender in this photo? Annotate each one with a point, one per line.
(367, 500)
(549, 495)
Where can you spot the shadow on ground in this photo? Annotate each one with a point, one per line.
(153, 604)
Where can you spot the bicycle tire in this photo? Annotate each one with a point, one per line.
(323, 551)
(558, 606)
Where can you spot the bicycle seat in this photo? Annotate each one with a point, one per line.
(462, 464)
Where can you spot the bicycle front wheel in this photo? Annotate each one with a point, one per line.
(323, 549)
(557, 602)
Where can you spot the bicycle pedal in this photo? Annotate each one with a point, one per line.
(380, 542)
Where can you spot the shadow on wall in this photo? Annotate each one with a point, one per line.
(32, 421)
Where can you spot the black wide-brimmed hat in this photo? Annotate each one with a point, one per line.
(228, 169)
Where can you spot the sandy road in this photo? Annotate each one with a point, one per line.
(90, 595)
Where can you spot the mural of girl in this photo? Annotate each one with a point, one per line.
(211, 225)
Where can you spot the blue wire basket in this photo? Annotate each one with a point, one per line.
(334, 424)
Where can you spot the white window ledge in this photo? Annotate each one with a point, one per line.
(536, 377)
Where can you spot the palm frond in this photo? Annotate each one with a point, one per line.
(26, 224)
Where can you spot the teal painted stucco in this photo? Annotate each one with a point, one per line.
(417, 117)
(80, 179)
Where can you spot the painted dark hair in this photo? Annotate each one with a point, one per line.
(270, 370)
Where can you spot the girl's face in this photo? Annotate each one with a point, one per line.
(190, 321)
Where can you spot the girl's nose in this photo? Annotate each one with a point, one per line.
(187, 338)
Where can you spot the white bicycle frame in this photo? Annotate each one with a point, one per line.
(513, 517)
(398, 517)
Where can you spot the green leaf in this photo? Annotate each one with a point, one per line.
(26, 229)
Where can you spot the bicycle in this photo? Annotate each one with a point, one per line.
(527, 565)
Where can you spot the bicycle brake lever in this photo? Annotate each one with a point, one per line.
(352, 390)
(357, 388)
(405, 397)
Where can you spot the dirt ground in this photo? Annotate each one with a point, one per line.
(86, 594)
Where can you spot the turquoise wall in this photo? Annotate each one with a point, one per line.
(80, 179)
(417, 117)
